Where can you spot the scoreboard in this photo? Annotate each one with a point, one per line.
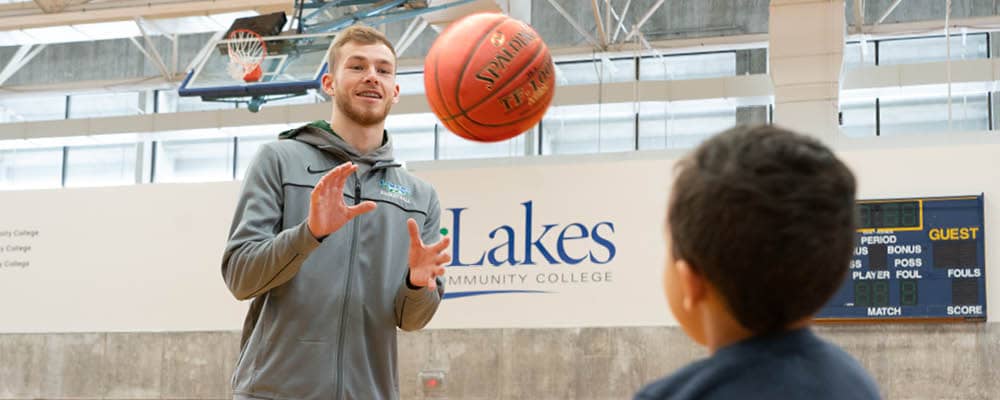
(915, 259)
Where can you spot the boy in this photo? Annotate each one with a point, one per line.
(760, 230)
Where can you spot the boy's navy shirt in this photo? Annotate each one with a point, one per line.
(788, 365)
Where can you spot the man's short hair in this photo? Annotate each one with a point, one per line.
(358, 34)
(768, 217)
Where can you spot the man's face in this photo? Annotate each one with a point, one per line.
(363, 82)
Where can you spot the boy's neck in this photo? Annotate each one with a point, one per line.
(723, 330)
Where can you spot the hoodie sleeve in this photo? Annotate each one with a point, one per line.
(415, 306)
(259, 256)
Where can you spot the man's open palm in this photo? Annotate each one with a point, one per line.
(327, 209)
(426, 261)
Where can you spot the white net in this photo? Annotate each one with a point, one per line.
(246, 51)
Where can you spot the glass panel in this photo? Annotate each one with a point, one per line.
(32, 108)
(194, 160)
(856, 55)
(170, 102)
(31, 168)
(691, 66)
(104, 104)
(309, 98)
(103, 165)
(590, 128)
(595, 71)
(410, 83)
(457, 147)
(412, 136)
(683, 124)
(922, 50)
(858, 117)
(930, 114)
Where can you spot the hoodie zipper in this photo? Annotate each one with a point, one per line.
(347, 293)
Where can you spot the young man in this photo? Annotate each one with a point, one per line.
(760, 230)
(329, 241)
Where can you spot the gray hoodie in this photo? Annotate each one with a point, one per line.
(322, 324)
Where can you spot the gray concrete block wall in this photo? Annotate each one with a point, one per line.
(909, 361)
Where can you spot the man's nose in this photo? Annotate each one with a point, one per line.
(370, 75)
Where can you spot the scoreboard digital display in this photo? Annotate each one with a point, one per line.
(915, 259)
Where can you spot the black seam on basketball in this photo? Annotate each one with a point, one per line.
(444, 104)
(506, 123)
(512, 121)
(461, 74)
(437, 78)
(464, 113)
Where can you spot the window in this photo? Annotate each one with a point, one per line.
(102, 165)
(410, 83)
(858, 55)
(923, 50)
(683, 124)
(590, 128)
(104, 105)
(32, 168)
(595, 71)
(927, 114)
(692, 66)
(169, 101)
(32, 108)
(412, 136)
(857, 117)
(194, 160)
(457, 147)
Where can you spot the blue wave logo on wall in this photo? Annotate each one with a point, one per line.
(530, 242)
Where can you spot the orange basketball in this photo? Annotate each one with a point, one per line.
(489, 77)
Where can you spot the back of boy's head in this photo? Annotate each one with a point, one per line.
(767, 217)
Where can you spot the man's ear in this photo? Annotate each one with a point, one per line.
(693, 285)
(395, 94)
(327, 83)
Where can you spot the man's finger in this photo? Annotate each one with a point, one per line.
(439, 271)
(442, 258)
(441, 245)
(432, 283)
(354, 211)
(415, 241)
(338, 176)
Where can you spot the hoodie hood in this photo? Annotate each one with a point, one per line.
(321, 136)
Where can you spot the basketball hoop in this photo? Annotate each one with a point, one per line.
(246, 51)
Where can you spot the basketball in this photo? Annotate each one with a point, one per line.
(489, 77)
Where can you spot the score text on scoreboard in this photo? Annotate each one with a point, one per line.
(915, 259)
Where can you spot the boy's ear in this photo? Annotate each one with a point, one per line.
(692, 284)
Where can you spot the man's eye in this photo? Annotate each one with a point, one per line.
(384, 71)
(355, 67)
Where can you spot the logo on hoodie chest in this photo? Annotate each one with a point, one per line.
(395, 191)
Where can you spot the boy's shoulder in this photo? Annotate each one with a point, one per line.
(790, 365)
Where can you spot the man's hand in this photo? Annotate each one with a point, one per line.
(426, 262)
(327, 210)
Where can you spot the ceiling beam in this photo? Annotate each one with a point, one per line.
(26, 18)
(643, 20)
(24, 54)
(888, 11)
(572, 22)
(602, 34)
(621, 21)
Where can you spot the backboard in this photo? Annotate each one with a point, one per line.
(293, 64)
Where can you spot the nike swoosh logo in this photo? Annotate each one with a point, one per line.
(317, 171)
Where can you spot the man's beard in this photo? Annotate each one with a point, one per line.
(359, 116)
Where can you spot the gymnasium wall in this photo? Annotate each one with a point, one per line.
(116, 292)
